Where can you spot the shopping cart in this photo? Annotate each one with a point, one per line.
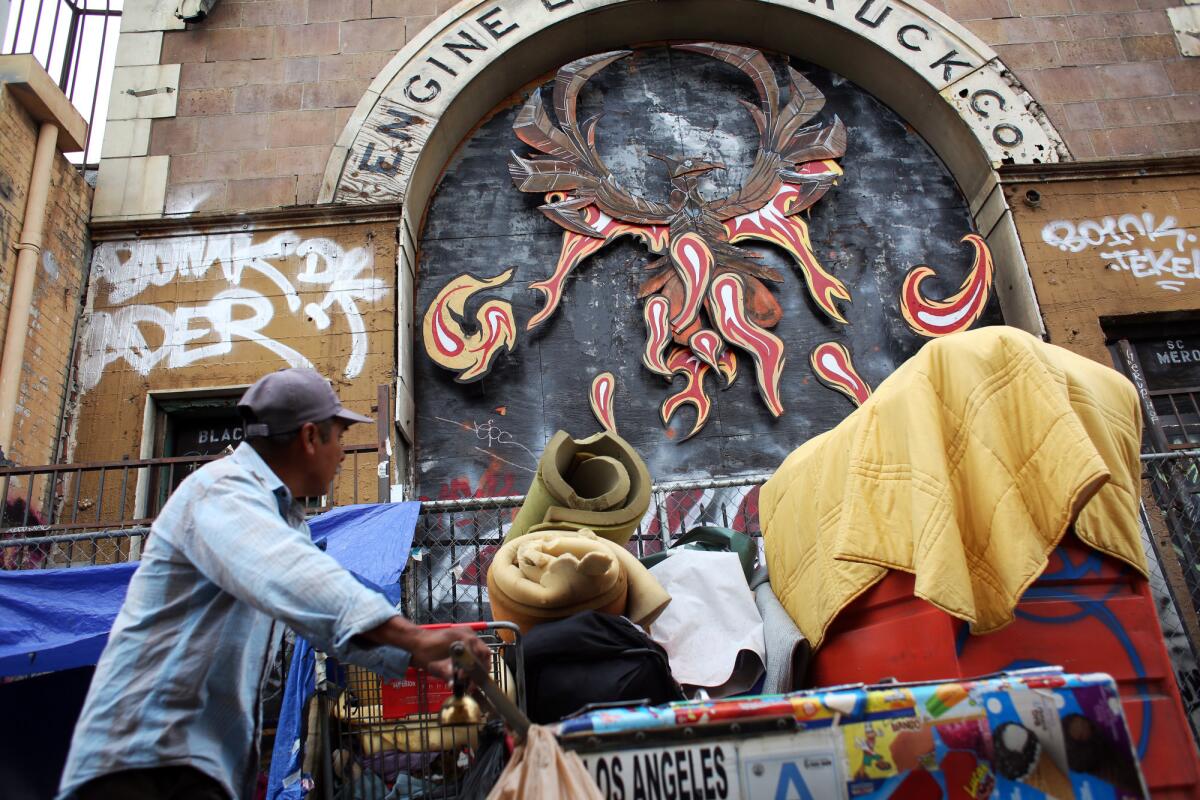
(385, 737)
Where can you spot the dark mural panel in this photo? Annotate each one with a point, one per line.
(895, 207)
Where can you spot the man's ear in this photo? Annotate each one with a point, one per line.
(308, 437)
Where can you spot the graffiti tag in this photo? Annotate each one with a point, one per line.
(1170, 267)
(146, 336)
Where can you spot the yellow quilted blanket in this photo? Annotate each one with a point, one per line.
(965, 468)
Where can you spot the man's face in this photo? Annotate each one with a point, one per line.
(324, 456)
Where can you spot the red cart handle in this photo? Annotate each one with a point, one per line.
(478, 627)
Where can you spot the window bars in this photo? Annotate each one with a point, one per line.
(76, 42)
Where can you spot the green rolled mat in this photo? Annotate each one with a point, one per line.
(599, 483)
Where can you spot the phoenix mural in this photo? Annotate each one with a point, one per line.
(704, 297)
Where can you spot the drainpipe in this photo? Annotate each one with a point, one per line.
(29, 247)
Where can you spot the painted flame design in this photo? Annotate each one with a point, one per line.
(727, 366)
(449, 346)
(707, 346)
(726, 299)
(658, 333)
(775, 223)
(576, 247)
(684, 362)
(959, 311)
(604, 387)
(834, 367)
(693, 262)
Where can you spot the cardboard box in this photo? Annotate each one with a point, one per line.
(1024, 735)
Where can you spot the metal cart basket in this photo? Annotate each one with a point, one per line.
(383, 738)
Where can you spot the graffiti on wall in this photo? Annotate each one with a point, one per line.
(145, 335)
(1140, 244)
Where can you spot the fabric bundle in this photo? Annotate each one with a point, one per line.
(965, 467)
(598, 483)
(712, 631)
(553, 574)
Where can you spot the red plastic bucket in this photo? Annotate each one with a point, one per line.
(1087, 613)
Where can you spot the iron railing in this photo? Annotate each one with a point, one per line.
(64, 515)
(1171, 517)
(455, 540)
(76, 41)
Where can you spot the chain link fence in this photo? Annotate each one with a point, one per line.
(1171, 535)
(455, 541)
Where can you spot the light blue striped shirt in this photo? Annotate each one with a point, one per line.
(180, 681)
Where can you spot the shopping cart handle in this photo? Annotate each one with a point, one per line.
(475, 626)
(513, 716)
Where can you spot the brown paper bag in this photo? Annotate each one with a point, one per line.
(540, 770)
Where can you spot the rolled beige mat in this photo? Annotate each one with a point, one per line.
(551, 574)
(599, 483)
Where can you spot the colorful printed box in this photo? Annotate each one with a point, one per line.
(1019, 736)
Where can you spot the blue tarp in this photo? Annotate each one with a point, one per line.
(56, 619)
(378, 562)
(372, 541)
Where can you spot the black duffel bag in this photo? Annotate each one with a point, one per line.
(593, 658)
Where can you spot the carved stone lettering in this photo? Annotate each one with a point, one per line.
(396, 129)
(431, 90)
(861, 14)
(469, 43)
(1007, 135)
(902, 37)
(497, 28)
(441, 66)
(946, 62)
(977, 104)
(380, 164)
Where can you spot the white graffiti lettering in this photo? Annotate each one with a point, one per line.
(145, 336)
(1170, 267)
(1113, 231)
(122, 334)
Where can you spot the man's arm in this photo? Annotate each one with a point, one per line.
(234, 535)
(429, 648)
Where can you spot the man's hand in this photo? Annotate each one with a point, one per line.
(430, 649)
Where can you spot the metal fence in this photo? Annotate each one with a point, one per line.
(75, 40)
(64, 515)
(1171, 527)
(455, 540)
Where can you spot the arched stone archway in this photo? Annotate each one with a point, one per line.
(942, 80)
(938, 76)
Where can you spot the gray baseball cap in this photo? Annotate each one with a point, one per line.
(281, 402)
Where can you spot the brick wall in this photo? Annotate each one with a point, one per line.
(266, 86)
(1108, 72)
(56, 294)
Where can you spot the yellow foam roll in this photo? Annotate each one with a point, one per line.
(552, 574)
